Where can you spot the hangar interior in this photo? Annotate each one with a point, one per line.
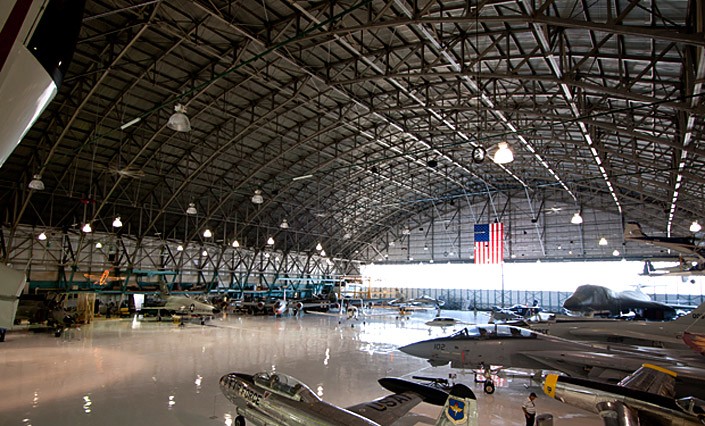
(244, 143)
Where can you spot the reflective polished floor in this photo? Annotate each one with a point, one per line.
(119, 372)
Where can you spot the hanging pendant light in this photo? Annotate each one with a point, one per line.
(270, 241)
(36, 183)
(236, 244)
(284, 224)
(99, 245)
(87, 228)
(319, 247)
(191, 209)
(603, 241)
(117, 223)
(695, 226)
(179, 248)
(504, 154)
(576, 219)
(178, 121)
(257, 198)
(42, 237)
(207, 233)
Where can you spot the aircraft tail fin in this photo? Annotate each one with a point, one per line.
(460, 408)
(694, 315)
(633, 230)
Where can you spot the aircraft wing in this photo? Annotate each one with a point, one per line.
(653, 379)
(589, 332)
(407, 395)
(11, 285)
(388, 409)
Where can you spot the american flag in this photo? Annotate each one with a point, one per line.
(489, 243)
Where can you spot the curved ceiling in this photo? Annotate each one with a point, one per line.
(353, 117)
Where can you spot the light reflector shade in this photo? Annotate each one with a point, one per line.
(117, 223)
(258, 198)
(270, 241)
(87, 228)
(504, 154)
(36, 183)
(178, 121)
(695, 226)
(576, 219)
(191, 209)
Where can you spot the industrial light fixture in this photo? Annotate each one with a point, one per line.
(319, 247)
(270, 241)
(99, 245)
(36, 183)
(204, 253)
(603, 241)
(191, 209)
(178, 121)
(117, 223)
(207, 233)
(406, 231)
(323, 253)
(695, 226)
(179, 248)
(42, 237)
(615, 253)
(576, 219)
(284, 224)
(504, 154)
(87, 228)
(425, 246)
(258, 198)
(235, 244)
(347, 236)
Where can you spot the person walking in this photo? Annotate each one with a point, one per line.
(529, 409)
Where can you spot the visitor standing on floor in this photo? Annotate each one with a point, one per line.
(529, 409)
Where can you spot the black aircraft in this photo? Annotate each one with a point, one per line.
(601, 301)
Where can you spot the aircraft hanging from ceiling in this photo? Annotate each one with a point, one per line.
(646, 397)
(38, 40)
(689, 247)
(279, 399)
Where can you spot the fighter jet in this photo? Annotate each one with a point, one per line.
(646, 397)
(687, 246)
(487, 346)
(276, 399)
(661, 334)
(599, 300)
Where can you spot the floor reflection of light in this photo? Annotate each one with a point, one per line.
(35, 400)
(325, 361)
(135, 323)
(198, 381)
(26, 422)
(228, 419)
(319, 391)
(171, 401)
(87, 404)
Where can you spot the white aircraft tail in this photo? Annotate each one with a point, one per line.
(460, 408)
(694, 316)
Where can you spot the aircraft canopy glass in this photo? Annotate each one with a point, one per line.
(492, 331)
(285, 385)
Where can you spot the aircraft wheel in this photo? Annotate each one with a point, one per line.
(240, 421)
(489, 387)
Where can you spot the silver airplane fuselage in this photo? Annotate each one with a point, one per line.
(651, 409)
(263, 406)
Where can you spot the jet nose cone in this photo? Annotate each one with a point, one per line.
(415, 349)
(573, 303)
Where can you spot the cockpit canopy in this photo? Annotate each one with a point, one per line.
(493, 331)
(285, 385)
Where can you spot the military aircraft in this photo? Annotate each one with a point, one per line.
(278, 399)
(11, 284)
(688, 246)
(661, 334)
(492, 347)
(444, 322)
(602, 301)
(646, 397)
(183, 306)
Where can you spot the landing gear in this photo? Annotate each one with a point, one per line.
(240, 421)
(488, 387)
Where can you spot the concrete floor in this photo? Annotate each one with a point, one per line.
(126, 372)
